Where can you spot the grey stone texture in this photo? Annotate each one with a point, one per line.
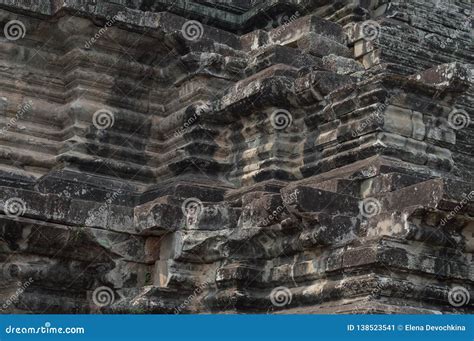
(236, 156)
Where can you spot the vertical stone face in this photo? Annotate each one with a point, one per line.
(236, 157)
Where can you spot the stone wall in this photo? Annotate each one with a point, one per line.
(236, 156)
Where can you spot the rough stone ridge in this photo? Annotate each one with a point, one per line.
(243, 156)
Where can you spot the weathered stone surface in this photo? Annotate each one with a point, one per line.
(253, 157)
